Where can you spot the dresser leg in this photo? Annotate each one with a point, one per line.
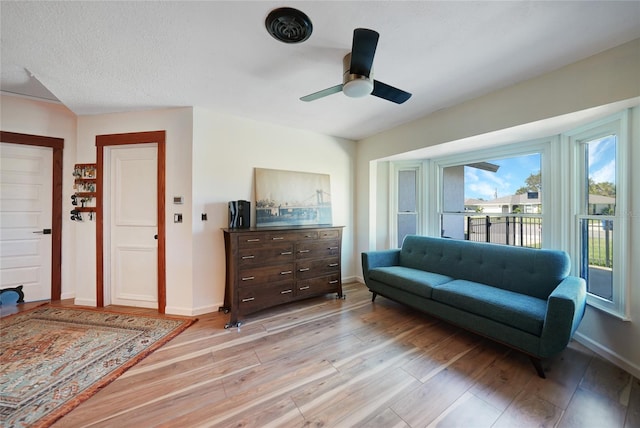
(233, 324)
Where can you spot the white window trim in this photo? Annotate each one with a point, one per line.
(617, 124)
(546, 147)
(395, 168)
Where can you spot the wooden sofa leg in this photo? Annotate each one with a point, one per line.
(537, 363)
(373, 296)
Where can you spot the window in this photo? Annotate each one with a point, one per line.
(406, 202)
(568, 191)
(599, 213)
(495, 200)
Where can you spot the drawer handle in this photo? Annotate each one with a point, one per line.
(286, 253)
(332, 248)
(304, 251)
(277, 238)
(248, 257)
(333, 264)
(305, 288)
(335, 281)
(304, 269)
(286, 292)
(308, 236)
(286, 272)
(248, 278)
(249, 299)
(253, 240)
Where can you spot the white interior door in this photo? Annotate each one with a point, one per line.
(133, 225)
(26, 184)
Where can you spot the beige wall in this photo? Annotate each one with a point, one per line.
(178, 125)
(226, 150)
(543, 106)
(210, 161)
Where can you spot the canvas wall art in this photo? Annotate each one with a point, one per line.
(291, 198)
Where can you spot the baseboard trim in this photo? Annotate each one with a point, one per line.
(85, 302)
(608, 354)
(348, 279)
(192, 312)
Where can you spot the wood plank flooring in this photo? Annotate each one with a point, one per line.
(353, 363)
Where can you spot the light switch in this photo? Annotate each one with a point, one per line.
(177, 218)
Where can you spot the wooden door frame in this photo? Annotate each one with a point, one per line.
(159, 138)
(57, 144)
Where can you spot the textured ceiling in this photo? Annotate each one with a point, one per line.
(100, 57)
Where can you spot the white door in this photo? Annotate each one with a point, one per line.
(133, 274)
(25, 212)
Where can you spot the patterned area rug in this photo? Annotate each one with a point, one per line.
(52, 359)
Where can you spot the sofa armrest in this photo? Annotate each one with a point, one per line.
(374, 259)
(565, 309)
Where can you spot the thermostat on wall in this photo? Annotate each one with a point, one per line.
(178, 200)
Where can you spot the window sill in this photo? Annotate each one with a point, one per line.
(608, 307)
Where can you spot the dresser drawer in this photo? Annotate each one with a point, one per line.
(259, 255)
(329, 234)
(312, 268)
(317, 249)
(255, 298)
(307, 235)
(252, 240)
(265, 275)
(321, 285)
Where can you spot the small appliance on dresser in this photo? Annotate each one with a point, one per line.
(239, 214)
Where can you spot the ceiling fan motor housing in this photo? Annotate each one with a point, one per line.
(355, 85)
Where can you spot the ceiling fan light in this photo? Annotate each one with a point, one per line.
(358, 87)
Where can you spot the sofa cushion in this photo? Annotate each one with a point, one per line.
(535, 272)
(518, 310)
(410, 280)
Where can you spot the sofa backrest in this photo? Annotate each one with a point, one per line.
(530, 271)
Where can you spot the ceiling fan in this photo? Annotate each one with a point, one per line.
(357, 79)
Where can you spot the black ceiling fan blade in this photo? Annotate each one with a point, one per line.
(322, 93)
(363, 50)
(389, 93)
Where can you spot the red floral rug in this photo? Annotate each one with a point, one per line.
(52, 359)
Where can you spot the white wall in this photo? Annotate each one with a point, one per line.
(178, 124)
(226, 149)
(28, 116)
(527, 110)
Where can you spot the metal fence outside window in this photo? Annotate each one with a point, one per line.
(517, 230)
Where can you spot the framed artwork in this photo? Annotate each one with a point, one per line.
(291, 198)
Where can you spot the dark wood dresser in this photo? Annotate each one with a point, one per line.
(268, 266)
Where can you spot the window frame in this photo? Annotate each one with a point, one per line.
(396, 168)
(618, 125)
(543, 146)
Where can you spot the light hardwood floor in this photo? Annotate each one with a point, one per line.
(343, 363)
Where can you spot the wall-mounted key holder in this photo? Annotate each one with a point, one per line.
(84, 197)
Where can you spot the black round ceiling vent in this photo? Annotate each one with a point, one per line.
(289, 25)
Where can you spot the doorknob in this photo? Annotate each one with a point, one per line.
(155, 236)
(43, 232)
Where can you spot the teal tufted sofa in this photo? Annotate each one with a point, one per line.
(521, 297)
